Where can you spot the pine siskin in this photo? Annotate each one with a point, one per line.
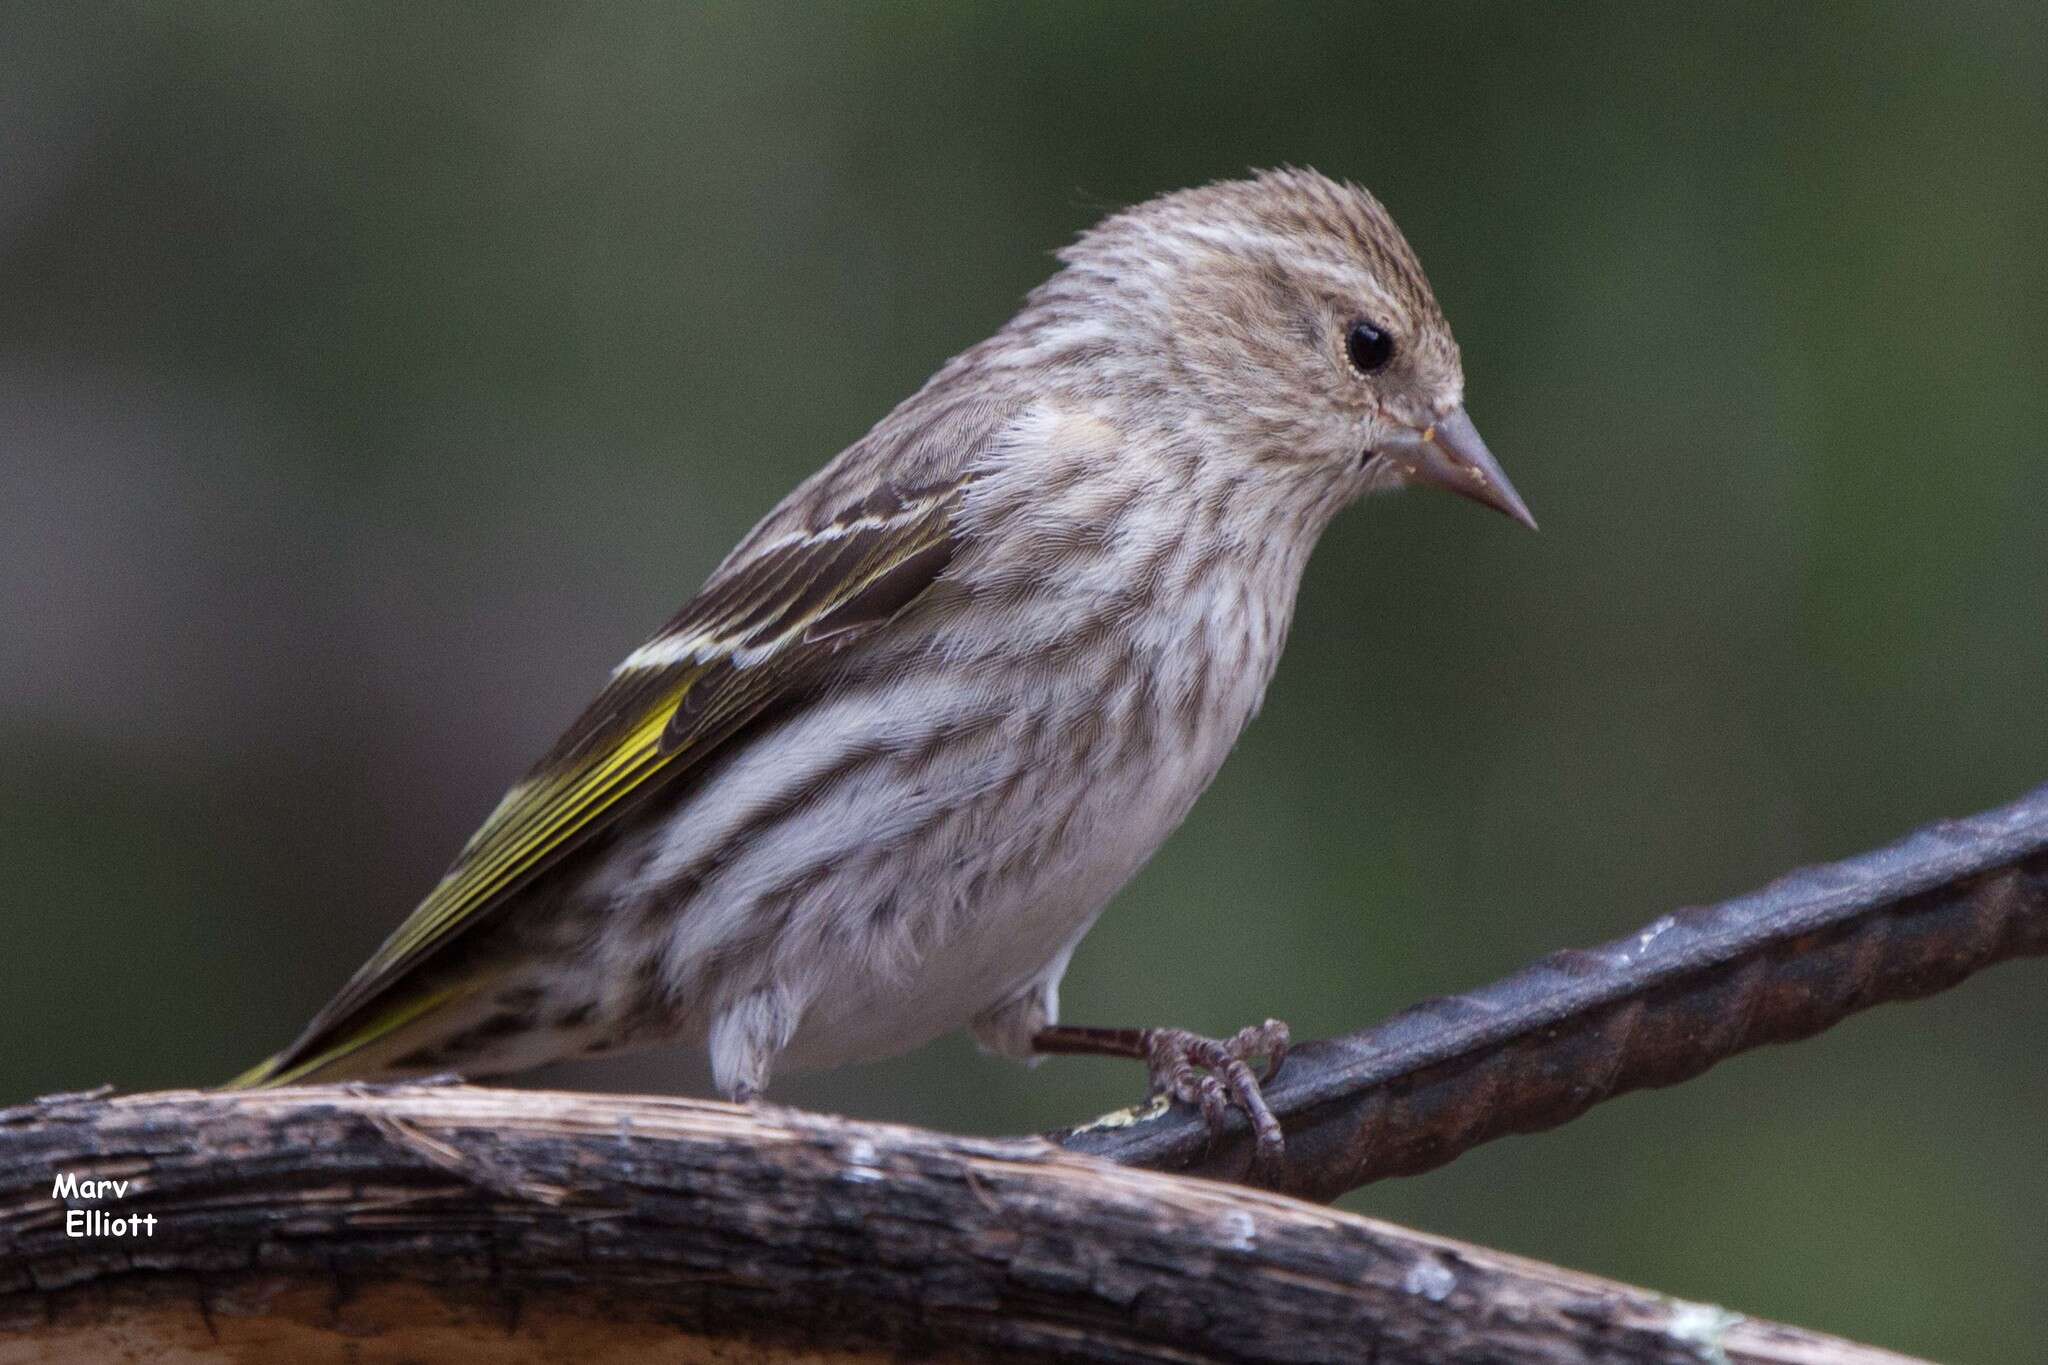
(877, 779)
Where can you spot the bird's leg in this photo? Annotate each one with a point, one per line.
(1209, 1073)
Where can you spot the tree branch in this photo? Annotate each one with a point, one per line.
(466, 1224)
(460, 1224)
(1694, 988)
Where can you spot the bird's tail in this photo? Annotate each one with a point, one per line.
(261, 1076)
(359, 1051)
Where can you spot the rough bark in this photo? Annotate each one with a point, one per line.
(460, 1224)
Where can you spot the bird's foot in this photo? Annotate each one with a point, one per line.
(1213, 1075)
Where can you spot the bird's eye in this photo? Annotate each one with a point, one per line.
(1369, 347)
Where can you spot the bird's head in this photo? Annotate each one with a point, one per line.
(1288, 318)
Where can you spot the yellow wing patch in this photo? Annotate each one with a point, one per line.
(535, 818)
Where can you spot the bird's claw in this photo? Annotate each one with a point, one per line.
(1214, 1075)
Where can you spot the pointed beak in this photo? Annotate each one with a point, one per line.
(1448, 454)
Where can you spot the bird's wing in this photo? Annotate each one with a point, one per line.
(757, 632)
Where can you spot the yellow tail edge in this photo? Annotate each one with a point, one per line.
(258, 1077)
(281, 1070)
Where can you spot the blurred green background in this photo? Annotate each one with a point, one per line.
(372, 378)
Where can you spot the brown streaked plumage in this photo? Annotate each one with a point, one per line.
(879, 776)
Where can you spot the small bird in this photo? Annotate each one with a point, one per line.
(876, 780)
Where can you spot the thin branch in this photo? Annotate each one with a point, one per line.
(1694, 988)
(460, 1224)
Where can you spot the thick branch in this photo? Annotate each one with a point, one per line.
(1539, 1048)
(491, 1225)
(461, 1224)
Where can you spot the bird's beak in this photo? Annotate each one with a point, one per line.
(1449, 454)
